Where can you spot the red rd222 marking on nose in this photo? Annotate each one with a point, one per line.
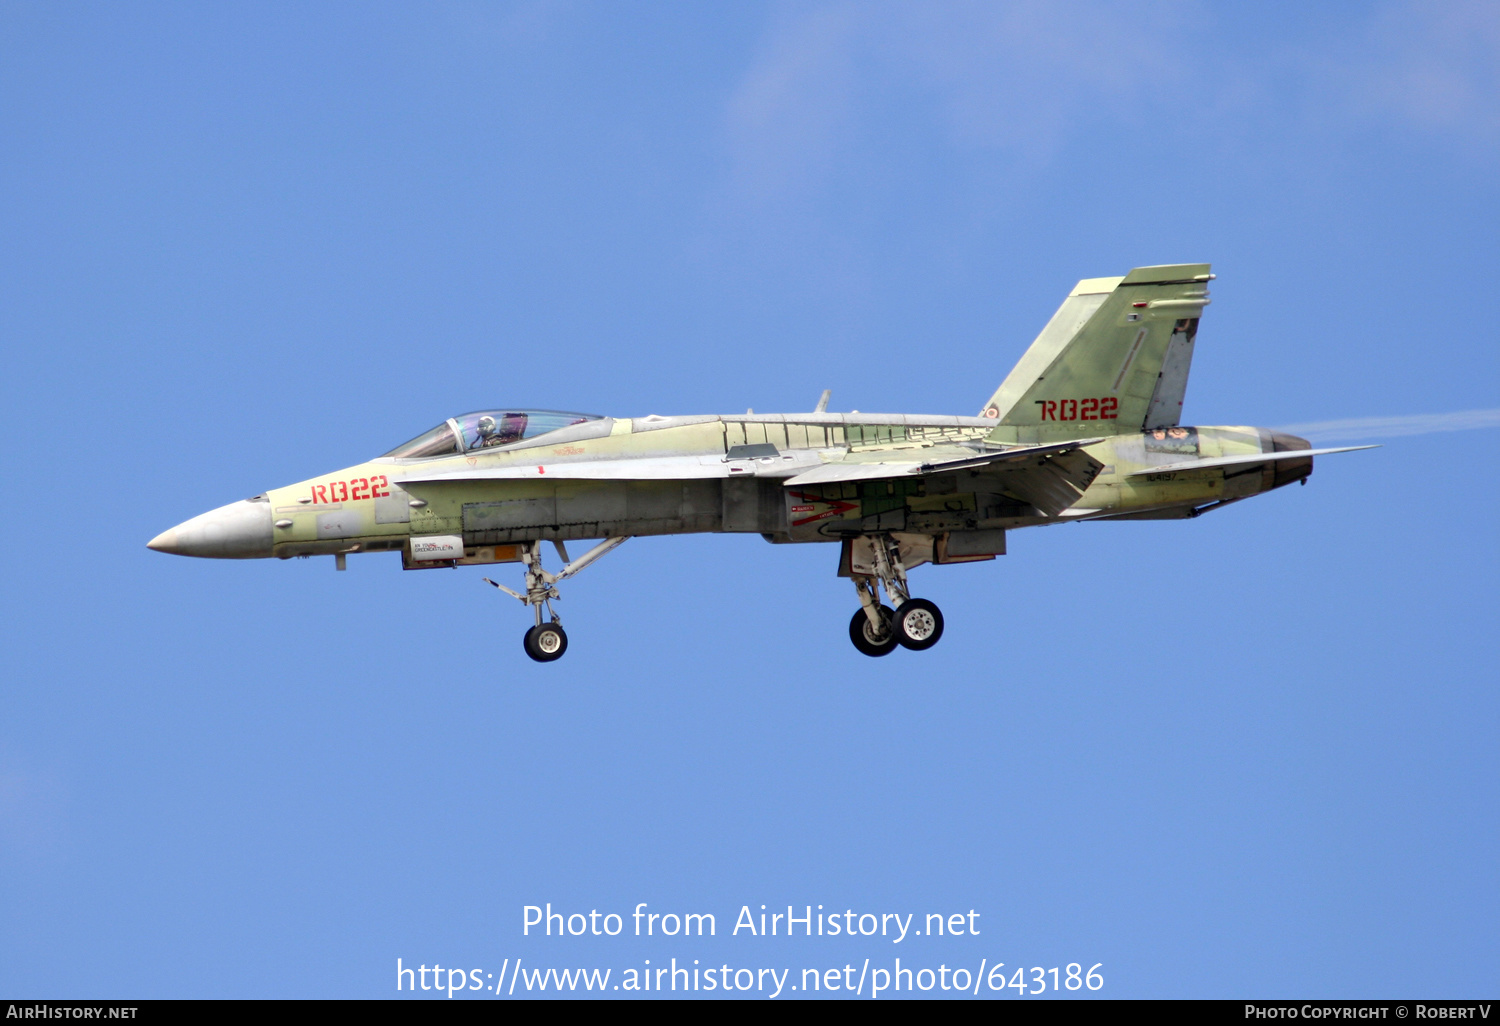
(352, 491)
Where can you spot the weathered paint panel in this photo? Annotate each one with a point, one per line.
(741, 504)
(591, 502)
(393, 508)
(346, 523)
(533, 511)
(976, 543)
(753, 504)
(657, 500)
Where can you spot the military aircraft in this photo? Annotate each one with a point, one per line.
(1086, 427)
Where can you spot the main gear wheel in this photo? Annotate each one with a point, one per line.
(865, 637)
(918, 624)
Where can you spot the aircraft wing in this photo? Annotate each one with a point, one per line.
(830, 473)
(1049, 477)
(1229, 461)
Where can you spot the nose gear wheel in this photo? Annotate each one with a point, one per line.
(548, 641)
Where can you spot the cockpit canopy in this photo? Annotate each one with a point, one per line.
(484, 429)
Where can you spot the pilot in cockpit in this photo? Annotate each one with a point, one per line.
(511, 427)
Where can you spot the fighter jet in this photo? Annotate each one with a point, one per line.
(1086, 427)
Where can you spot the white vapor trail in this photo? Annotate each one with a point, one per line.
(1391, 427)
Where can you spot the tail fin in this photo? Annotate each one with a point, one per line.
(1114, 359)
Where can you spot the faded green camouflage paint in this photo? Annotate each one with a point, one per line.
(1121, 345)
(506, 511)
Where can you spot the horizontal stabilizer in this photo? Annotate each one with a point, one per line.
(1229, 461)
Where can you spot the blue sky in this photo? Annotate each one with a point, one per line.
(1251, 754)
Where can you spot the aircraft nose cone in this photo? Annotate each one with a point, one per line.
(165, 542)
(240, 530)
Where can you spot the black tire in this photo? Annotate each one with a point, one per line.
(546, 642)
(919, 624)
(859, 633)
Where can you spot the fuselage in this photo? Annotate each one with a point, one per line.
(735, 469)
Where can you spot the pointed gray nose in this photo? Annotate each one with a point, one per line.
(240, 530)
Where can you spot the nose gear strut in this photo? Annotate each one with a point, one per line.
(548, 641)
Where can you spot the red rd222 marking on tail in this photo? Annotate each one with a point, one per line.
(1102, 408)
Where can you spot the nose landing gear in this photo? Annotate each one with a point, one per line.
(876, 629)
(548, 641)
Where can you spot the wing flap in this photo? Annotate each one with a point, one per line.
(1055, 483)
(1049, 477)
(832, 473)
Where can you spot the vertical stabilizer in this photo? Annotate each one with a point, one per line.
(1114, 359)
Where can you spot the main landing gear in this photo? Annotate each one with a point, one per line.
(877, 629)
(548, 641)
